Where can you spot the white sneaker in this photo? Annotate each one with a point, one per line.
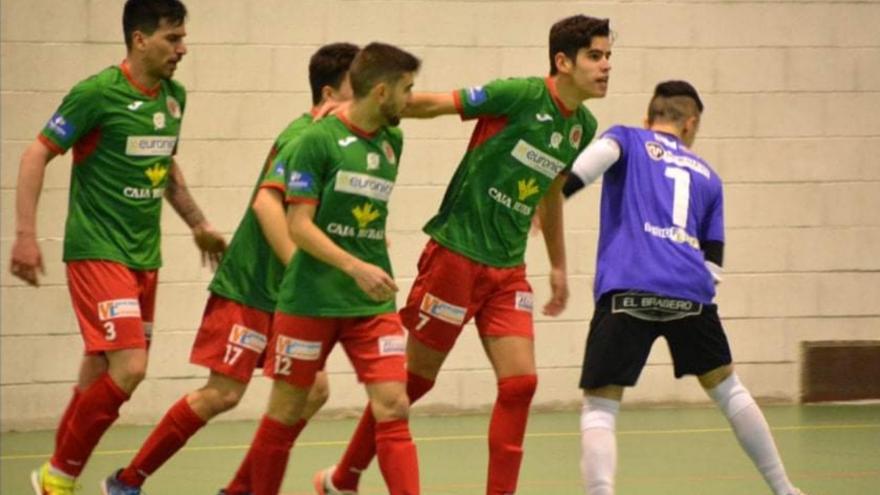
(323, 483)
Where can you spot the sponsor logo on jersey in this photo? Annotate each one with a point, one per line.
(279, 168)
(342, 230)
(392, 345)
(675, 234)
(537, 160)
(373, 161)
(658, 153)
(143, 192)
(173, 107)
(247, 338)
(60, 127)
(304, 350)
(505, 200)
(555, 140)
(119, 308)
(524, 301)
(527, 188)
(442, 310)
(300, 181)
(156, 173)
(150, 145)
(135, 105)
(476, 95)
(363, 185)
(159, 120)
(389, 152)
(575, 135)
(543, 117)
(364, 214)
(344, 142)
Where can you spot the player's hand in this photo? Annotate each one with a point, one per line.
(558, 291)
(27, 259)
(373, 280)
(210, 243)
(329, 107)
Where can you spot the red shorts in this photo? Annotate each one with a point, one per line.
(232, 338)
(376, 347)
(450, 289)
(114, 304)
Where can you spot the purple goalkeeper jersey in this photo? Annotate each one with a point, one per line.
(659, 202)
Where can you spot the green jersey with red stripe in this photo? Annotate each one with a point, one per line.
(250, 272)
(524, 138)
(349, 174)
(123, 138)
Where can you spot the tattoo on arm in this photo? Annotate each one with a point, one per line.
(178, 195)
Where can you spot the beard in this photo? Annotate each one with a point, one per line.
(390, 114)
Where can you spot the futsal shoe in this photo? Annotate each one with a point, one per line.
(323, 482)
(111, 485)
(45, 482)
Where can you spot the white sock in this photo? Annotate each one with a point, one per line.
(752, 432)
(598, 445)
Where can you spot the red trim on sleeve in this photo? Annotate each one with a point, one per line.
(126, 71)
(272, 185)
(86, 145)
(459, 106)
(355, 129)
(551, 85)
(54, 148)
(306, 201)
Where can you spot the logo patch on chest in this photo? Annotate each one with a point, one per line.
(537, 160)
(364, 185)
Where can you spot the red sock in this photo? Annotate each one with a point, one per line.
(397, 457)
(362, 446)
(62, 425)
(266, 460)
(172, 433)
(506, 431)
(97, 409)
(241, 483)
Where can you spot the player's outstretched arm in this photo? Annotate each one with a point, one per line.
(307, 236)
(209, 241)
(596, 158)
(554, 239)
(268, 206)
(430, 105)
(27, 259)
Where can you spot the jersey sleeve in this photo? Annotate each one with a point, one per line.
(621, 136)
(274, 172)
(75, 117)
(499, 97)
(713, 224)
(305, 160)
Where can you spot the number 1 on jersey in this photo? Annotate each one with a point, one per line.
(682, 196)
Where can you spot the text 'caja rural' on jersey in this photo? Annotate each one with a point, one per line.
(524, 139)
(250, 272)
(659, 202)
(123, 138)
(349, 174)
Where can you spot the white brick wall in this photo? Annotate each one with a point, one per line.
(791, 90)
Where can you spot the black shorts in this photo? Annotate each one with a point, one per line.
(625, 325)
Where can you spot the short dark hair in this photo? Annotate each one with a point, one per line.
(328, 66)
(145, 15)
(377, 63)
(573, 33)
(674, 101)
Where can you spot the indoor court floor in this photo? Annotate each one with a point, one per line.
(828, 450)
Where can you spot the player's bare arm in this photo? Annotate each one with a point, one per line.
(554, 239)
(209, 241)
(430, 105)
(308, 237)
(268, 206)
(27, 259)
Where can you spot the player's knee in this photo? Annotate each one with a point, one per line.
(390, 407)
(599, 412)
(224, 400)
(129, 374)
(318, 395)
(517, 389)
(731, 396)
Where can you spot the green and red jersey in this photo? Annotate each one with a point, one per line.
(349, 174)
(524, 138)
(123, 138)
(250, 272)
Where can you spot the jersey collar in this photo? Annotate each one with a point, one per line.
(151, 92)
(355, 129)
(554, 93)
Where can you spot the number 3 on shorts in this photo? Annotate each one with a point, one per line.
(109, 331)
